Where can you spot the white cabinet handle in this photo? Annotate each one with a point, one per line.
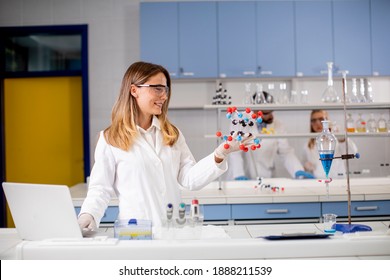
(366, 208)
(277, 211)
(249, 73)
(188, 74)
(265, 72)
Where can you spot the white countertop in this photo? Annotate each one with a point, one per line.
(235, 192)
(241, 243)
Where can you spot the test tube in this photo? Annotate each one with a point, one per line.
(195, 210)
(181, 220)
(169, 211)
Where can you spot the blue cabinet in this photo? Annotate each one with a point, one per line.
(352, 37)
(275, 39)
(380, 36)
(159, 35)
(217, 212)
(180, 36)
(109, 216)
(358, 208)
(198, 40)
(275, 211)
(314, 38)
(237, 39)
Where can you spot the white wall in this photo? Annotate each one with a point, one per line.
(114, 44)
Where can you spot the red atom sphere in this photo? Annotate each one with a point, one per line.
(219, 133)
(248, 110)
(230, 138)
(226, 146)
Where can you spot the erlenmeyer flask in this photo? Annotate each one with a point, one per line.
(330, 94)
(326, 144)
(260, 99)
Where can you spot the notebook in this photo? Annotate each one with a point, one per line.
(42, 211)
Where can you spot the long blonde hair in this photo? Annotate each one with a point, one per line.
(123, 131)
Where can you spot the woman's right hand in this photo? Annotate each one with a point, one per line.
(87, 222)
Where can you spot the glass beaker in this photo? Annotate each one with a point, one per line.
(372, 126)
(382, 124)
(330, 94)
(329, 221)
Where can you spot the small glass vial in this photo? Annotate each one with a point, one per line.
(372, 126)
(382, 124)
(350, 124)
(361, 124)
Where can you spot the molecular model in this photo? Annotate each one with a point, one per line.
(221, 97)
(241, 120)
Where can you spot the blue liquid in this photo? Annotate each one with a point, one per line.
(326, 160)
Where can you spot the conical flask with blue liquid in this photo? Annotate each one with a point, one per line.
(326, 144)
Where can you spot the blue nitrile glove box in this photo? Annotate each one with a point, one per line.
(133, 229)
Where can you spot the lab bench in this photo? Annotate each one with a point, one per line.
(236, 242)
(292, 201)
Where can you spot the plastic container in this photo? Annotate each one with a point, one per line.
(133, 229)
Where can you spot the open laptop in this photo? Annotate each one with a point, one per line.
(42, 211)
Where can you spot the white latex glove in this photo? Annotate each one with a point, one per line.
(87, 222)
(234, 145)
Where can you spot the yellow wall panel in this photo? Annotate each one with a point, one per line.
(43, 130)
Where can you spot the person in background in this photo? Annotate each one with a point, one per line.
(261, 162)
(142, 157)
(311, 159)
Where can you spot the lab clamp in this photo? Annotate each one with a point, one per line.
(326, 144)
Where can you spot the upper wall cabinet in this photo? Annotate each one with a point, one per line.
(380, 36)
(159, 35)
(275, 39)
(237, 39)
(180, 36)
(352, 37)
(313, 37)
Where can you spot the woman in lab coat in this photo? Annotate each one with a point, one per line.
(310, 154)
(141, 157)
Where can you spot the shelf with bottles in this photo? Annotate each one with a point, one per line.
(295, 107)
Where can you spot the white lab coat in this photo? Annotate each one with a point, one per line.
(338, 168)
(261, 162)
(145, 179)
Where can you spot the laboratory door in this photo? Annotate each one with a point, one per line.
(43, 130)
